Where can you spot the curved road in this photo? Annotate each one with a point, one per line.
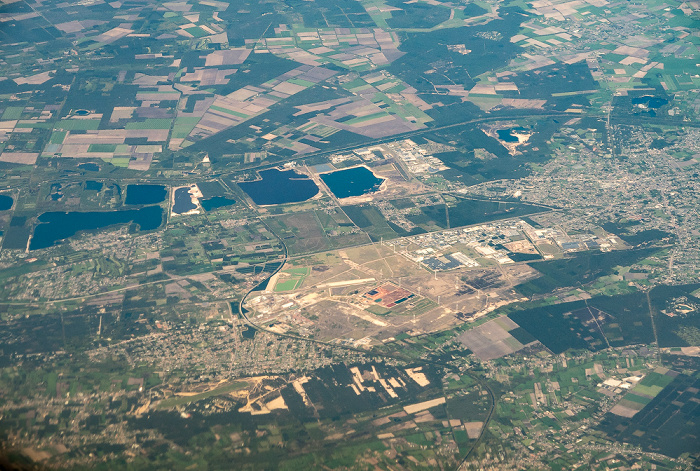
(253, 325)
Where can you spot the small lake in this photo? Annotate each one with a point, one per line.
(506, 135)
(81, 113)
(89, 166)
(55, 192)
(216, 202)
(55, 226)
(280, 186)
(183, 201)
(5, 202)
(145, 194)
(92, 185)
(354, 181)
(248, 333)
(651, 102)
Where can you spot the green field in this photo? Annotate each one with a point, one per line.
(197, 32)
(57, 137)
(647, 389)
(287, 285)
(120, 161)
(378, 310)
(406, 308)
(102, 148)
(180, 400)
(370, 219)
(78, 124)
(151, 123)
(183, 126)
(362, 119)
(231, 112)
(301, 82)
(13, 112)
(294, 281)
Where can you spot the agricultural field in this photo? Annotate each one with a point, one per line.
(349, 234)
(663, 414)
(291, 279)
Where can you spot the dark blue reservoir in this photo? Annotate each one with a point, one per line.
(278, 187)
(354, 181)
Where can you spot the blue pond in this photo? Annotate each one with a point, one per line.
(92, 185)
(5, 202)
(89, 166)
(55, 194)
(652, 102)
(506, 135)
(145, 194)
(55, 226)
(183, 201)
(354, 181)
(216, 202)
(277, 187)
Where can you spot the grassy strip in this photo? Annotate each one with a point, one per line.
(181, 400)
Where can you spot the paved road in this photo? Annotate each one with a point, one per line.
(393, 356)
